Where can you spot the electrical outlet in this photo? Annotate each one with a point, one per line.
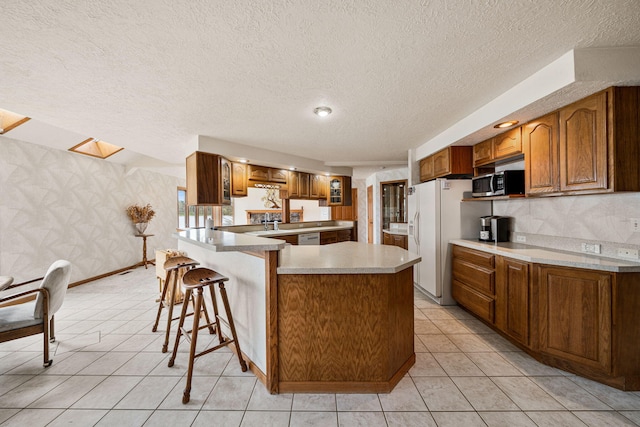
(628, 253)
(634, 225)
(521, 239)
(591, 248)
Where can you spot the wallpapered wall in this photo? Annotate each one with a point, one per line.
(60, 205)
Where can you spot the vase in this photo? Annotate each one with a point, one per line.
(141, 227)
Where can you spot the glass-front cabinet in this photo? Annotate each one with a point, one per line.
(394, 202)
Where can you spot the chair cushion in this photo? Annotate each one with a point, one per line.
(56, 281)
(5, 282)
(17, 316)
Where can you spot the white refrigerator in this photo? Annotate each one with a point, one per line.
(437, 214)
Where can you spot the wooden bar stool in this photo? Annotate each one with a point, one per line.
(196, 280)
(173, 266)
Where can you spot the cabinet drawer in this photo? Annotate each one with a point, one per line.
(474, 301)
(476, 277)
(481, 259)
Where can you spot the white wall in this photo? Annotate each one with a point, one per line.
(312, 212)
(61, 205)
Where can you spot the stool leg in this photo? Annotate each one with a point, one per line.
(194, 341)
(164, 293)
(214, 303)
(170, 315)
(225, 301)
(183, 315)
(206, 317)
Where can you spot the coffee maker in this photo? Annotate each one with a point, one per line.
(494, 228)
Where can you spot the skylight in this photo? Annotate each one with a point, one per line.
(10, 120)
(96, 148)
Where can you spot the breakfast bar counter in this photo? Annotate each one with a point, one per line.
(334, 318)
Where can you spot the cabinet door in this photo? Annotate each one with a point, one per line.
(293, 185)
(441, 163)
(483, 153)
(426, 169)
(258, 173)
(303, 184)
(327, 237)
(541, 155)
(322, 186)
(400, 241)
(278, 175)
(239, 180)
(388, 240)
(314, 186)
(583, 144)
(512, 298)
(336, 191)
(507, 144)
(575, 316)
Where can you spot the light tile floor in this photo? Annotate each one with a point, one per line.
(108, 371)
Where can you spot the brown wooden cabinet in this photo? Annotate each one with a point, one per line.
(508, 144)
(448, 162)
(540, 140)
(208, 179)
(328, 237)
(590, 146)
(303, 185)
(293, 185)
(239, 179)
(483, 153)
(473, 286)
(339, 191)
(513, 298)
(322, 186)
(266, 174)
(583, 144)
(396, 240)
(575, 316)
(583, 321)
(315, 186)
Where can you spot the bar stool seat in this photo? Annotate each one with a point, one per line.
(196, 280)
(172, 267)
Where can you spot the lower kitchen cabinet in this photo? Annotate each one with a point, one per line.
(396, 240)
(513, 298)
(580, 320)
(574, 315)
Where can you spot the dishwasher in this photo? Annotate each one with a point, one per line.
(309, 239)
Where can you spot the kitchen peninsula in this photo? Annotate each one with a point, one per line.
(333, 318)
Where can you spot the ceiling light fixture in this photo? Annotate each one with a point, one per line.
(322, 111)
(292, 168)
(243, 161)
(506, 124)
(10, 120)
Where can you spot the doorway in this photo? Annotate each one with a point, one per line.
(393, 203)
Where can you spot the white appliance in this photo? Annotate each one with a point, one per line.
(437, 214)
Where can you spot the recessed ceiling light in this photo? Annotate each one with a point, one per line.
(506, 124)
(292, 168)
(322, 111)
(243, 161)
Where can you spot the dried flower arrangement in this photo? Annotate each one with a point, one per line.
(140, 214)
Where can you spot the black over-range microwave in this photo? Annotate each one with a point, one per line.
(498, 184)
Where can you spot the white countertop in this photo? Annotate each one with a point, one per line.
(226, 241)
(345, 258)
(557, 257)
(396, 232)
(290, 231)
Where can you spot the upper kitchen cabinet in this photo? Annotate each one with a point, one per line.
(448, 162)
(318, 187)
(590, 146)
(303, 184)
(265, 174)
(508, 144)
(208, 179)
(293, 185)
(339, 191)
(540, 139)
(483, 153)
(583, 144)
(238, 179)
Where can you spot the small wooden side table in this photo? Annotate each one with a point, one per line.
(144, 250)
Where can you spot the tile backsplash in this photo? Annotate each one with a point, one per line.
(566, 222)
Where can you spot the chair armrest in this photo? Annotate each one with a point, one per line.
(22, 294)
(23, 283)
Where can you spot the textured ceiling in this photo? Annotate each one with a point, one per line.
(150, 75)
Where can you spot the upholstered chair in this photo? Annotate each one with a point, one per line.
(26, 317)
